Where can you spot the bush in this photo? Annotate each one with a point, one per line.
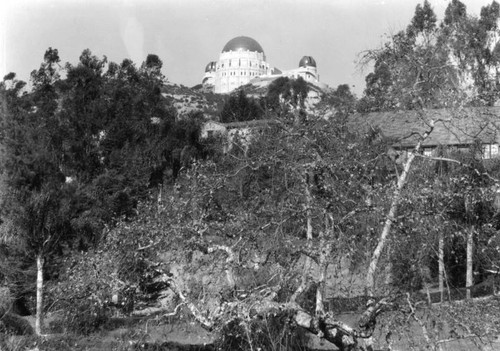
(273, 332)
(16, 343)
(86, 317)
(84, 293)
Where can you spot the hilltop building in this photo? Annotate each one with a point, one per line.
(243, 61)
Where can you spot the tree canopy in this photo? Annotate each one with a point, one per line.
(431, 65)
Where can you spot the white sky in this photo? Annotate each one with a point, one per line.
(187, 34)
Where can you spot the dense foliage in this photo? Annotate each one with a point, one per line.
(436, 65)
(283, 94)
(91, 181)
(240, 108)
(79, 153)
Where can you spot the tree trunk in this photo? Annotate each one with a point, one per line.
(391, 216)
(323, 266)
(309, 237)
(159, 199)
(396, 197)
(308, 210)
(469, 280)
(39, 294)
(326, 237)
(441, 265)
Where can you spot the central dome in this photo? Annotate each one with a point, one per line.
(243, 43)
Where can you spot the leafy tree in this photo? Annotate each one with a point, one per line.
(412, 70)
(39, 200)
(283, 91)
(489, 16)
(378, 89)
(424, 20)
(342, 100)
(299, 189)
(240, 108)
(83, 109)
(429, 65)
(455, 12)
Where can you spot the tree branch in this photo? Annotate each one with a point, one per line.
(468, 166)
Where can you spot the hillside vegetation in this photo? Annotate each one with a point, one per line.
(125, 230)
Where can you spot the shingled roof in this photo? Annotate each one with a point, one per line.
(452, 127)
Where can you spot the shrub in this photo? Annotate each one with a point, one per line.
(273, 332)
(16, 343)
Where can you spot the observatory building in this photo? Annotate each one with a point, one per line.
(242, 61)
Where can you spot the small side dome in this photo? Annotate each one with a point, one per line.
(210, 67)
(307, 61)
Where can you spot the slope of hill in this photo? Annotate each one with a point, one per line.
(186, 100)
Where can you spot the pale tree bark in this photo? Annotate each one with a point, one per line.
(441, 264)
(159, 199)
(309, 237)
(421, 323)
(325, 249)
(391, 216)
(39, 294)
(231, 257)
(205, 322)
(396, 198)
(323, 266)
(324, 325)
(341, 334)
(469, 279)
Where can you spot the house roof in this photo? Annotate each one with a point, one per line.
(452, 127)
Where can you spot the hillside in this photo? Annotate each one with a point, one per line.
(186, 100)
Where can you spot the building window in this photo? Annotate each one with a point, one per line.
(494, 150)
(490, 150)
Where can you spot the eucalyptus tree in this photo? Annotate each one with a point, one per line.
(431, 66)
(38, 202)
(428, 63)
